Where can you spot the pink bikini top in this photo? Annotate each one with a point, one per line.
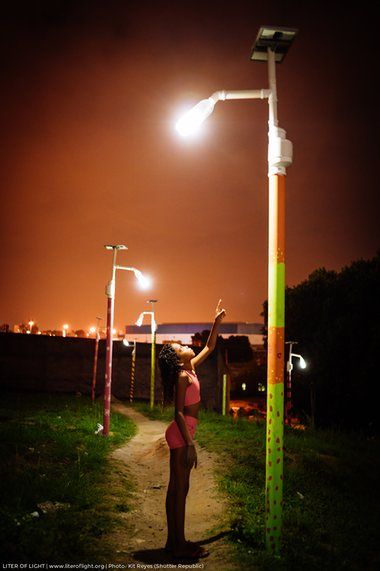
(193, 391)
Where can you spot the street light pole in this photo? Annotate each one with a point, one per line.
(95, 367)
(271, 45)
(153, 354)
(276, 323)
(110, 293)
(133, 368)
(153, 329)
(289, 369)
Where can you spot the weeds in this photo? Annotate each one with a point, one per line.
(54, 472)
(330, 517)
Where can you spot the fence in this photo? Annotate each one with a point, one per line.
(65, 364)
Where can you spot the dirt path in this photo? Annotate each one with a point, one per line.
(146, 461)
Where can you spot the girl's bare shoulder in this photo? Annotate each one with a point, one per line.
(183, 377)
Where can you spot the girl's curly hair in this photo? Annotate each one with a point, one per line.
(168, 363)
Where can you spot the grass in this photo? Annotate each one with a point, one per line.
(331, 502)
(53, 476)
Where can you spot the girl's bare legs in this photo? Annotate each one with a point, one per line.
(176, 500)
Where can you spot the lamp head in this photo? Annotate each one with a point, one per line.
(140, 319)
(303, 364)
(190, 122)
(144, 281)
(115, 247)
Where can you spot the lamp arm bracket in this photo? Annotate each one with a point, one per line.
(240, 94)
(125, 268)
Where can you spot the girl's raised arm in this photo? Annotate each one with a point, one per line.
(211, 341)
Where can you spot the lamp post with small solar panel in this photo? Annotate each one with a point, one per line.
(271, 46)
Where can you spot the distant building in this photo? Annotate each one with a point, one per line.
(183, 332)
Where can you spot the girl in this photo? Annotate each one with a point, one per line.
(177, 365)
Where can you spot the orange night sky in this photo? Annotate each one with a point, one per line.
(90, 95)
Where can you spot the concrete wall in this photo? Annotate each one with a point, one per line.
(65, 364)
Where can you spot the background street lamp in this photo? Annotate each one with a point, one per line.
(289, 368)
(65, 329)
(153, 328)
(133, 367)
(95, 367)
(271, 45)
(110, 293)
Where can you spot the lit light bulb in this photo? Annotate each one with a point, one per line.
(144, 281)
(192, 120)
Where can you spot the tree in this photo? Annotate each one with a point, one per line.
(80, 333)
(335, 317)
(200, 339)
(238, 348)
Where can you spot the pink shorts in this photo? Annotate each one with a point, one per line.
(174, 436)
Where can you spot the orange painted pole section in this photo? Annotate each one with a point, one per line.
(276, 346)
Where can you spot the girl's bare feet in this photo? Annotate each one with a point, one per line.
(190, 550)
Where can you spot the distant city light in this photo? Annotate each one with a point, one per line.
(244, 386)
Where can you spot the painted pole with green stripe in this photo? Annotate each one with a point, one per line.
(271, 45)
(279, 157)
(275, 384)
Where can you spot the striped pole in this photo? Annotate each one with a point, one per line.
(279, 156)
(224, 394)
(288, 401)
(109, 347)
(153, 367)
(133, 367)
(95, 367)
(275, 387)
